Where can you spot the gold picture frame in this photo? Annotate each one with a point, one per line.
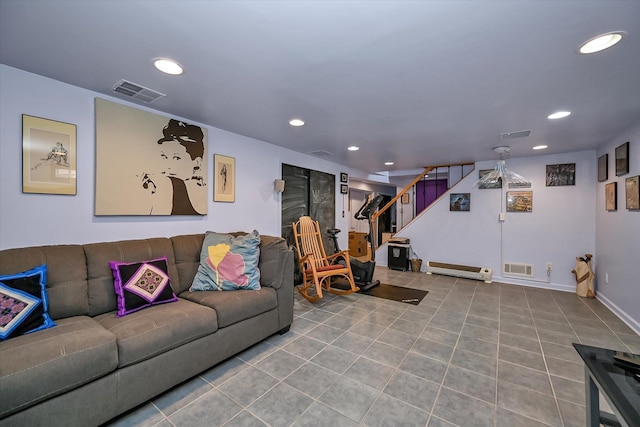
(224, 178)
(632, 192)
(519, 201)
(48, 156)
(611, 196)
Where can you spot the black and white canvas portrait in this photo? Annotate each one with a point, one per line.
(148, 164)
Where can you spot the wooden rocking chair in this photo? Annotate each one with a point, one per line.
(318, 270)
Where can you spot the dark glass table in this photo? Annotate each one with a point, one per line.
(618, 383)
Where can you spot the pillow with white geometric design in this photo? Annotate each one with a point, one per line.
(24, 303)
(141, 284)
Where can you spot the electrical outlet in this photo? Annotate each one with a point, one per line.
(549, 266)
(501, 217)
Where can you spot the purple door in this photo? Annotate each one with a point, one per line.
(428, 191)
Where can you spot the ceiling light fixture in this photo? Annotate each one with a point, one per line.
(558, 115)
(388, 163)
(296, 122)
(540, 147)
(168, 66)
(353, 148)
(601, 42)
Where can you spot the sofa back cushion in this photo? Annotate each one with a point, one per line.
(66, 275)
(102, 295)
(187, 249)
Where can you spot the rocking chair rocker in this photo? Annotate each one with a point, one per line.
(318, 269)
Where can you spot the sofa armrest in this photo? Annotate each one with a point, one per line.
(274, 254)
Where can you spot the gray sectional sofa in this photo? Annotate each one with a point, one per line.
(93, 365)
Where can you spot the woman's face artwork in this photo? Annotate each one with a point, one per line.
(176, 162)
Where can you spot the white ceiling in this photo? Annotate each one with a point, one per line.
(413, 82)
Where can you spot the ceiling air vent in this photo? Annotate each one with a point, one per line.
(513, 135)
(321, 153)
(138, 92)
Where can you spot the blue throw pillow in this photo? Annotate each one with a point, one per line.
(24, 303)
(228, 263)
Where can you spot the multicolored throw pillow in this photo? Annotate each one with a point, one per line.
(24, 303)
(141, 284)
(228, 263)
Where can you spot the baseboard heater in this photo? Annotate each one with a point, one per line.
(464, 271)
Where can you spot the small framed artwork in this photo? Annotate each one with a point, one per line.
(519, 201)
(622, 159)
(562, 174)
(344, 188)
(632, 192)
(405, 199)
(497, 183)
(460, 202)
(603, 168)
(224, 178)
(611, 196)
(48, 156)
(344, 178)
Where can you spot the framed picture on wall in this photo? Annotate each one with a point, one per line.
(404, 199)
(562, 174)
(603, 168)
(148, 163)
(632, 192)
(48, 156)
(622, 159)
(611, 196)
(344, 188)
(224, 178)
(344, 177)
(519, 201)
(482, 185)
(460, 202)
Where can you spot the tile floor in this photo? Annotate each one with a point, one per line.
(470, 354)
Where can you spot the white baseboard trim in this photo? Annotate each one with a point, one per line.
(535, 284)
(628, 320)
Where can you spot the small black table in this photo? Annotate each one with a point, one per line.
(619, 385)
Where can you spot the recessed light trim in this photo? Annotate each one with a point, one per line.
(168, 66)
(601, 42)
(540, 147)
(558, 115)
(296, 122)
(353, 148)
(388, 163)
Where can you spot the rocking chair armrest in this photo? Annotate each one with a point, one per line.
(308, 260)
(344, 254)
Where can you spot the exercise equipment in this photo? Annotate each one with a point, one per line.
(362, 270)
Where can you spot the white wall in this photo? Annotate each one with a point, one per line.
(618, 238)
(561, 226)
(39, 219)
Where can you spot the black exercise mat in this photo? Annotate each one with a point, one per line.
(397, 293)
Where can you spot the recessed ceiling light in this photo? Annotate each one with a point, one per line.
(540, 147)
(296, 122)
(558, 115)
(353, 148)
(168, 66)
(388, 163)
(601, 42)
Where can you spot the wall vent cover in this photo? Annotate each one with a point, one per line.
(518, 134)
(517, 269)
(141, 93)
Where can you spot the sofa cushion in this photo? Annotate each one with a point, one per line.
(24, 304)
(147, 333)
(228, 263)
(47, 363)
(236, 306)
(141, 284)
(186, 248)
